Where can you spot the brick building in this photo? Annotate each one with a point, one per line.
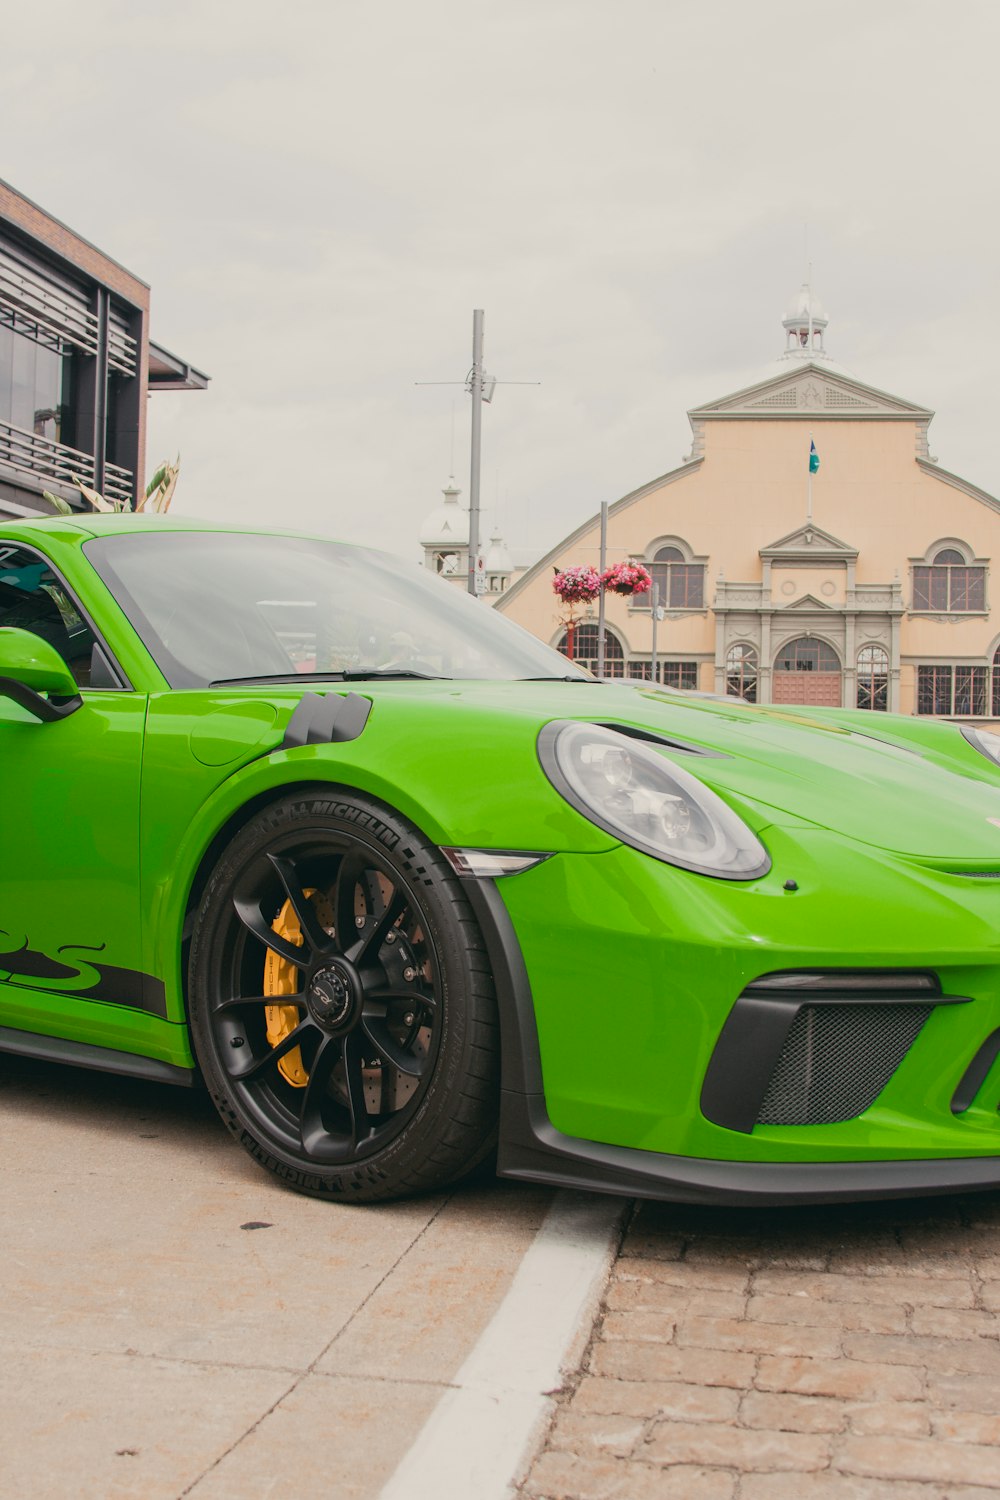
(76, 364)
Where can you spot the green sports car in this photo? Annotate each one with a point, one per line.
(407, 889)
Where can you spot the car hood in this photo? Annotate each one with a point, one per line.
(859, 779)
(469, 748)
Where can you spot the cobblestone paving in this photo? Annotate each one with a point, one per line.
(841, 1353)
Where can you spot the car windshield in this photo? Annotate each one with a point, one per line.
(221, 607)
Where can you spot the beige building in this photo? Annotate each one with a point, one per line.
(866, 583)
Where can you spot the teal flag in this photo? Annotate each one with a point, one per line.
(813, 457)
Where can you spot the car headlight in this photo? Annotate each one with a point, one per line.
(630, 791)
(983, 740)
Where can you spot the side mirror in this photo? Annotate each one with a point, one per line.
(29, 667)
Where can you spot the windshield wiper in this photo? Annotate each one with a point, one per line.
(349, 674)
(365, 674)
(558, 679)
(279, 677)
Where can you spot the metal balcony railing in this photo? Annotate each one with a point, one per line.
(38, 457)
(60, 318)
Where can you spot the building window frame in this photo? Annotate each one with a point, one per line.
(949, 580)
(819, 655)
(681, 576)
(669, 674)
(956, 690)
(742, 671)
(872, 686)
(585, 643)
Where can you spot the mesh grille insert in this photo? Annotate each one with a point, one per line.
(836, 1060)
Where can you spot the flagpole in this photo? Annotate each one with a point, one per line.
(809, 486)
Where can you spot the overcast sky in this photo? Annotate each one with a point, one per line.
(320, 193)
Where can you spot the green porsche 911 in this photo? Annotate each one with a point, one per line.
(407, 890)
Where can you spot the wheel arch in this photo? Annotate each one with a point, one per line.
(519, 1050)
(227, 830)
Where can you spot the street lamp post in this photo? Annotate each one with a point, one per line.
(600, 607)
(481, 387)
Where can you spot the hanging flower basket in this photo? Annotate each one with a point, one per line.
(577, 585)
(626, 578)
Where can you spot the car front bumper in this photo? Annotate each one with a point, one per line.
(628, 970)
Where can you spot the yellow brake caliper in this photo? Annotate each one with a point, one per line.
(281, 977)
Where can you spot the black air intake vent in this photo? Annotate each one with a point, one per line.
(836, 1060)
(815, 1046)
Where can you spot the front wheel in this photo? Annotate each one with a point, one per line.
(341, 1004)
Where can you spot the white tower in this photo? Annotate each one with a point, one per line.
(444, 536)
(805, 323)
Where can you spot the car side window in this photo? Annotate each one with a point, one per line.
(33, 597)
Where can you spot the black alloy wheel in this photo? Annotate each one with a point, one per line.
(341, 1004)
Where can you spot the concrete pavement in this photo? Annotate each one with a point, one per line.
(174, 1323)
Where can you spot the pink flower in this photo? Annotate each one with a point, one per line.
(626, 578)
(577, 585)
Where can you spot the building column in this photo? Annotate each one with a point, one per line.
(894, 663)
(849, 691)
(128, 420)
(764, 669)
(91, 399)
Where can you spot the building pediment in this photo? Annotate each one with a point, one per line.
(811, 391)
(806, 543)
(807, 602)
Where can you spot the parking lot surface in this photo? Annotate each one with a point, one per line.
(175, 1323)
(836, 1353)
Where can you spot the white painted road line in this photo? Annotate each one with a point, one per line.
(481, 1431)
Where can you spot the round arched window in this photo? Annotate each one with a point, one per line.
(741, 672)
(583, 649)
(681, 584)
(873, 678)
(949, 585)
(807, 654)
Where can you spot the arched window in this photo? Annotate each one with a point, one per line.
(949, 584)
(584, 649)
(806, 655)
(741, 672)
(681, 583)
(873, 677)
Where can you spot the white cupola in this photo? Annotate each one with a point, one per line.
(444, 536)
(805, 322)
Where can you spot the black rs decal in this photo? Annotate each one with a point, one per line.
(113, 985)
